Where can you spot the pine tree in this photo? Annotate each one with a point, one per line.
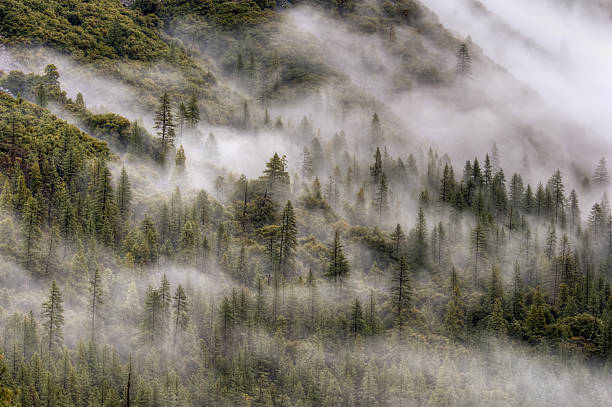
(105, 207)
(479, 246)
(464, 61)
(124, 195)
(497, 324)
(402, 295)
(165, 299)
(376, 170)
(376, 130)
(179, 160)
(193, 112)
(338, 267)
(287, 238)
(276, 176)
(181, 311)
(53, 318)
(41, 95)
(307, 167)
(96, 300)
(518, 299)
(181, 117)
(357, 319)
(31, 232)
(557, 189)
(164, 123)
(373, 320)
(447, 184)
(536, 317)
(152, 324)
(574, 212)
(420, 245)
(601, 178)
(30, 335)
(116, 36)
(381, 199)
(397, 238)
(455, 309)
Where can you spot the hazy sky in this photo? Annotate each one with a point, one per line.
(562, 53)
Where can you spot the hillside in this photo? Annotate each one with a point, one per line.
(310, 203)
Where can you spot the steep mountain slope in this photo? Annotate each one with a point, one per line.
(334, 203)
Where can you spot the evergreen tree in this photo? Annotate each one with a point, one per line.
(357, 319)
(152, 323)
(397, 238)
(116, 36)
(376, 170)
(276, 176)
(164, 123)
(536, 317)
(376, 130)
(455, 309)
(557, 189)
(180, 160)
(30, 231)
(574, 212)
(193, 112)
(381, 199)
(181, 311)
(464, 61)
(287, 238)
(307, 167)
(402, 295)
(165, 299)
(105, 207)
(124, 195)
(96, 300)
(53, 318)
(420, 245)
(338, 267)
(497, 324)
(601, 178)
(479, 246)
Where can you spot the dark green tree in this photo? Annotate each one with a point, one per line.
(338, 267)
(181, 311)
(53, 318)
(164, 123)
(402, 295)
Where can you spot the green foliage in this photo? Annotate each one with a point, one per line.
(89, 30)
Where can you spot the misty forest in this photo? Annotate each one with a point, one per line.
(305, 203)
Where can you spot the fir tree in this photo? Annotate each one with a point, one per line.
(397, 238)
(96, 300)
(30, 231)
(381, 199)
(181, 311)
(338, 267)
(193, 112)
(164, 123)
(455, 309)
(53, 318)
(420, 244)
(601, 178)
(287, 238)
(124, 195)
(152, 324)
(464, 61)
(402, 295)
(479, 245)
(357, 319)
(497, 324)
